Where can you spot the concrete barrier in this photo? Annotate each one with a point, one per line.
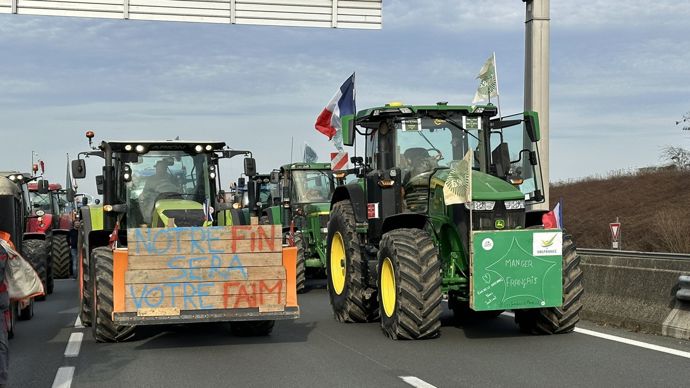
(636, 293)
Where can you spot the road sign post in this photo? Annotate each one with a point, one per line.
(615, 228)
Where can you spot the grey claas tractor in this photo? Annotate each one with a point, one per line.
(444, 209)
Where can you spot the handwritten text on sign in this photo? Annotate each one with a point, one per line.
(202, 268)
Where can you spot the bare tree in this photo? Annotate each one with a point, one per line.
(685, 121)
(677, 156)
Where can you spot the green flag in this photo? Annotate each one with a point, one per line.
(488, 81)
(458, 187)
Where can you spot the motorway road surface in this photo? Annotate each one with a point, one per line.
(317, 351)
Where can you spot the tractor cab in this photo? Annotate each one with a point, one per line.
(427, 143)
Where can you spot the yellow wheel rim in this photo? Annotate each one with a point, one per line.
(338, 264)
(387, 288)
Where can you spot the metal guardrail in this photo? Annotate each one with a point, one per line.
(634, 254)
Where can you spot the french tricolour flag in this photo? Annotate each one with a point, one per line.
(341, 105)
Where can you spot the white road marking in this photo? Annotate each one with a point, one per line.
(416, 382)
(640, 344)
(63, 377)
(74, 344)
(627, 341)
(78, 324)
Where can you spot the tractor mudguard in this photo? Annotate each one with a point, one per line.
(355, 193)
(404, 220)
(34, 236)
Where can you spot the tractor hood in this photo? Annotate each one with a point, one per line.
(183, 212)
(312, 208)
(484, 187)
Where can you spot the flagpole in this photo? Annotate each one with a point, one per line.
(498, 95)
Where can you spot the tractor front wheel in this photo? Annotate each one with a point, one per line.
(409, 285)
(85, 311)
(36, 253)
(558, 320)
(348, 295)
(62, 257)
(104, 329)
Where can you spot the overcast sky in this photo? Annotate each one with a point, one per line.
(620, 77)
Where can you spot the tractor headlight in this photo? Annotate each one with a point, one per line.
(198, 148)
(12, 178)
(40, 213)
(128, 148)
(212, 175)
(482, 205)
(209, 147)
(140, 148)
(514, 205)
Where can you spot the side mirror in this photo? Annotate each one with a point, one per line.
(532, 126)
(240, 182)
(99, 184)
(43, 186)
(70, 195)
(249, 166)
(79, 169)
(84, 201)
(275, 177)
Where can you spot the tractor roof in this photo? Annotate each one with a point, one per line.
(165, 145)
(33, 186)
(397, 109)
(7, 187)
(11, 175)
(307, 166)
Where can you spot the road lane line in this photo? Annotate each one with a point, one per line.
(74, 344)
(640, 344)
(416, 382)
(627, 341)
(77, 323)
(63, 377)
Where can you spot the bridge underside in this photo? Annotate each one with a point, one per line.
(359, 14)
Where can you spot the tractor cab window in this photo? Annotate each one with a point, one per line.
(41, 202)
(311, 186)
(165, 175)
(425, 144)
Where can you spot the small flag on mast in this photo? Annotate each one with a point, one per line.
(339, 112)
(488, 81)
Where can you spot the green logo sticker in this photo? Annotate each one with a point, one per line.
(500, 224)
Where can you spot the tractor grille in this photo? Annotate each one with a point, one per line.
(190, 217)
(486, 220)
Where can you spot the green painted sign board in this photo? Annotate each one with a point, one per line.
(516, 269)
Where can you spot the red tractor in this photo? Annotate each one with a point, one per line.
(52, 215)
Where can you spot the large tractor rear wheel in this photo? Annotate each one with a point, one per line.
(558, 320)
(409, 285)
(252, 328)
(349, 297)
(36, 253)
(301, 263)
(62, 257)
(104, 329)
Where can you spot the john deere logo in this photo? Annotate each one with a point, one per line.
(500, 224)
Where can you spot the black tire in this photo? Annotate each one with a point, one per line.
(50, 283)
(558, 320)
(251, 328)
(62, 257)
(14, 314)
(27, 312)
(36, 253)
(415, 311)
(301, 263)
(86, 292)
(104, 329)
(355, 302)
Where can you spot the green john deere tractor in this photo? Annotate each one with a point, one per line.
(441, 210)
(306, 190)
